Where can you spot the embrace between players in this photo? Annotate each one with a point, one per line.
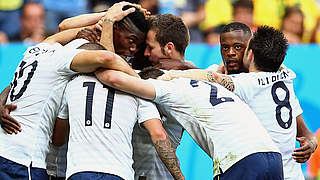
(67, 89)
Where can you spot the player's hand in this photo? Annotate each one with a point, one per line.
(115, 12)
(8, 123)
(307, 147)
(165, 77)
(90, 34)
(221, 69)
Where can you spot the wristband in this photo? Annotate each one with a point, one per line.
(108, 20)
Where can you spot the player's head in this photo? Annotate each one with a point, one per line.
(130, 32)
(168, 37)
(267, 49)
(233, 42)
(91, 46)
(32, 17)
(150, 72)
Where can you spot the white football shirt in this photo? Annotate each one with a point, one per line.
(101, 123)
(37, 88)
(219, 122)
(271, 96)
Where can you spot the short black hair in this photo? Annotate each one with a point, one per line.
(236, 26)
(269, 47)
(91, 46)
(137, 18)
(150, 72)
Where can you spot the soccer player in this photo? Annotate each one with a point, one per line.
(269, 92)
(220, 123)
(101, 124)
(167, 38)
(37, 89)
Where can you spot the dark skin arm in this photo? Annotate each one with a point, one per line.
(60, 131)
(8, 123)
(307, 140)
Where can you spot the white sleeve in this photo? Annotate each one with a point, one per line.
(146, 111)
(243, 85)
(297, 110)
(63, 110)
(213, 67)
(161, 88)
(64, 57)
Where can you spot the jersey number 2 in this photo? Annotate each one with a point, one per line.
(89, 101)
(213, 94)
(281, 104)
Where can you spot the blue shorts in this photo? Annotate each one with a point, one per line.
(94, 176)
(38, 174)
(257, 166)
(10, 170)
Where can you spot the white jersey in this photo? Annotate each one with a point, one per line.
(37, 88)
(219, 122)
(147, 163)
(101, 123)
(271, 96)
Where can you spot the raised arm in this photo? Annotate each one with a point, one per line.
(105, 25)
(8, 123)
(80, 21)
(62, 37)
(307, 140)
(201, 75)
(164, 147)
(124, 82)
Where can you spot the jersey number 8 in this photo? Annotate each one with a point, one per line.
(281, 104)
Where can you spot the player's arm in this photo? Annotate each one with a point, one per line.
(80, 21)
(201, 75)
(164, 147)
(127, 83)
(62, 37)
(8, 123)
(90, 61)
(307, 140)
(60, 131)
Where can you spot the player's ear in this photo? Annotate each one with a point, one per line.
(168, 49)
(250, 55)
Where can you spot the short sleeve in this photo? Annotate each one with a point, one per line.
(161, 88)
(64, 57)
(63, 110)
(213, 67)
(242, 86)
(147, 110)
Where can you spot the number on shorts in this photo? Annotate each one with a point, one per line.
(89, 102)
(213, 94)
(18, 75)
(281, 104)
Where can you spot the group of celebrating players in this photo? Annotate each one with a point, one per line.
(77, 90)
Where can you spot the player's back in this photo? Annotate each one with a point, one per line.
(34, 87)
(271, 96)
(223, 126)
(101, 123)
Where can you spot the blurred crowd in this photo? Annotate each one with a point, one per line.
(30, 21)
